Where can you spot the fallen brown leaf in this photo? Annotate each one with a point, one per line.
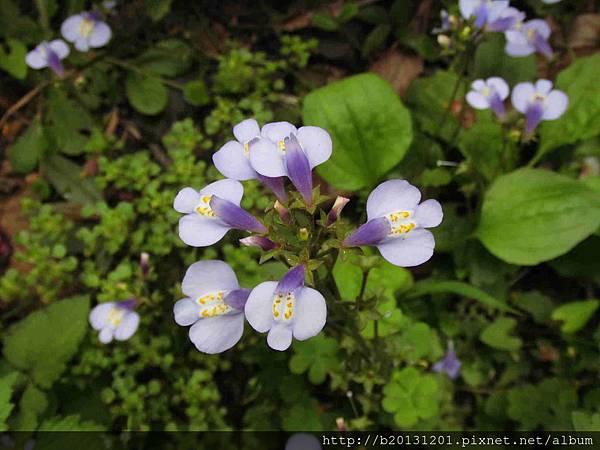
(585, 34)
(398, 69)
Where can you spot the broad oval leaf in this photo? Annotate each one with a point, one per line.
(531, 215)
(43, 342)
(146, 94)
(370, 127)
(580, 121)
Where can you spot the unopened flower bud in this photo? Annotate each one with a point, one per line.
(284, 214)
(303, 234)
(444, 40)
(336, 209)
(341, 424)
(144, 266)
(263, 243)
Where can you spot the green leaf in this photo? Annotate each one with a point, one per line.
(584, 421)
(497, 335)
(428, 287)
(491, 60)
(370, 127)
(318, 356)
(146, 94)
(581, 262)
(535, 303)
(157, 9)
(68, 123)
(169, 58)
(26, 151)
(43, 342)
(375, 39)
(195, 93)
(348, 278)
(575, 314)
(32, 405)
(324, 22)
(430, 98)
(66, 178)
(411, 395)
(530, 216)
(486, 159)
(13, 61)
(6, 390)
(580, 82)
(69, 423)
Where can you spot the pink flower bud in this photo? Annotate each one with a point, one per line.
(336, 209)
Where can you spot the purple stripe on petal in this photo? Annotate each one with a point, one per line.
(481, 15)
(533, 117)
(234, 216)
(237, 298)
(371, 233)
(497, 105)
(54, 62)
(292, 280)
(276, 185)
(542, 45)
(298, 168)
(261, 242)
(128, 304)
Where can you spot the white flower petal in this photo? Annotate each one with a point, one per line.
(556, 104)
(100, 36)
(392, 196)
(82, 44)
(60, 48)
(106, 335)
(429, 214)
(477, 100)
(207, 276)
(412, 251)
(521, 96)
(266, 159)
(316, 143)
(186, 200)
(500, 86)
(278, 131)
(99, 315)
(200, 231)
(543, 86)
(186, 312)
(35, 60)
(128, 326)
(280, 337)
(231, 190)
(217, 334)
(246, 130)
(70, 28)
(310, 314)
(232, 162)
(259, 306)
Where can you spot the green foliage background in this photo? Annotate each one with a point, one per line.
(98, 157)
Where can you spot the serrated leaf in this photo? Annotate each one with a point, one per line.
(42, 343)
(6, 390)
(27, 150)
(146, 94)
(575, 314)
(370, 127)
(531, 215)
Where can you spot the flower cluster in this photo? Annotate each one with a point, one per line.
(536, 101)
(85, 30)
(523, 37)
(215, 305)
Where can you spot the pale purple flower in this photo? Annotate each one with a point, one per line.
(445, 23)
(396, 224)
(526, 38)
(449, 364)
(336, 209)
(233, 159)
(286, 309)
(86, 31)
(48, 54)
(115, 320)
(303, 441)
(550, 2)
(489, 94)
(214, 306)
(509, 18)
(485, 12)
(261, 242)
(538, 102)
(211, 212)
(284, 150)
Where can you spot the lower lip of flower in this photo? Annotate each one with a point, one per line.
(204, 208)
(86, 27)
(115, 316)
(212, 305)
(400, 223)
